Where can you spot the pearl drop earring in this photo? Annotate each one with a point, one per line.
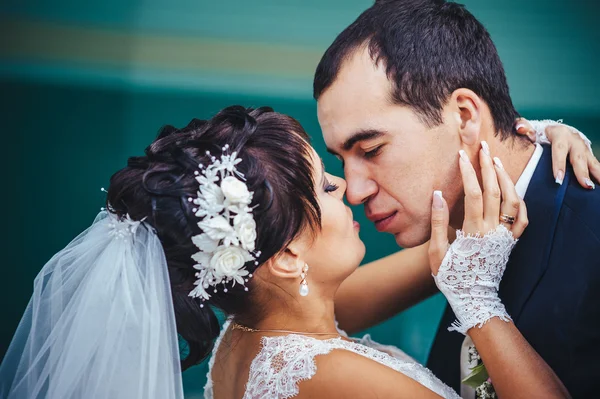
(303, 284)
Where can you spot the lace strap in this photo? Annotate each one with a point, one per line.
(282, 363)
(262, 367)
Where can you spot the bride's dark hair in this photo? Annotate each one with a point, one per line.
(275, 153)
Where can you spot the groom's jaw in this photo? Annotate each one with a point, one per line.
(413, 237)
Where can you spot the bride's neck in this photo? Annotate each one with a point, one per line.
(312, 314)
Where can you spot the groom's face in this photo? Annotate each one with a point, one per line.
(392, 160)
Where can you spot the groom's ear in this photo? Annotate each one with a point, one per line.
(467, 108)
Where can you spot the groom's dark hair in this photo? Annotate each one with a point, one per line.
(429, 48)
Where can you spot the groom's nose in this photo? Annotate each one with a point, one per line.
(359, 186)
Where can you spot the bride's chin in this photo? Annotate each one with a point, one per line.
(350, 267)
(356, 264)
(363, 252)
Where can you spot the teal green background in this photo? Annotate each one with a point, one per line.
(85, 85)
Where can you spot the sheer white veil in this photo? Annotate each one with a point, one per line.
(100, 322)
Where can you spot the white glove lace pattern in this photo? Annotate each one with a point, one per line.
(542, 138)
(470, 274)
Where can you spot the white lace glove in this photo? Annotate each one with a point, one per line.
(470, 275)
(540, 132)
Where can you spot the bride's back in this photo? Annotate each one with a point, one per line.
(231, 364)
(253, 366)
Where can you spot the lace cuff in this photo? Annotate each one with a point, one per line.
(540, 131)
(470, 275)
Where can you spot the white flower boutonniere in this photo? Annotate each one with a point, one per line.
(479, 378)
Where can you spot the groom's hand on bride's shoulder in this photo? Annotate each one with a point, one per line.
(565, 143)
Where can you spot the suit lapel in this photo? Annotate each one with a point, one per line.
(529, 259)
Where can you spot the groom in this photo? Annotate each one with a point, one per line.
(400, 92)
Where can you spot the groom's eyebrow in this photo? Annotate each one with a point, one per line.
(357, 137)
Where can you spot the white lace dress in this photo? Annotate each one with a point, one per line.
(284, 361)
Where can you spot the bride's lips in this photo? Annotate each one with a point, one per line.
(382, 221)
(356, 225)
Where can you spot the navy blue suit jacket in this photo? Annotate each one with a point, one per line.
(551, 287)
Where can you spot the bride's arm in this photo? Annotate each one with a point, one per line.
(383, 288)
(343, 374)
(469, 272)
(515, 368)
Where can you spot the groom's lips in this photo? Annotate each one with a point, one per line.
(382, 220)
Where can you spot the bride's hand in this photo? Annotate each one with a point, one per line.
(565, 143)
(483, 207)
(469, 271)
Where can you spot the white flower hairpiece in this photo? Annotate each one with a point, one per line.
(229, 230)
(122, 227)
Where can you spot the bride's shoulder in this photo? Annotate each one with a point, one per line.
(283, 362)
(341, 373)
(301, 367)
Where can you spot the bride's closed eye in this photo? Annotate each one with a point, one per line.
(331, 187)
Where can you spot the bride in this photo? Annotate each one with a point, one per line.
(237, 213)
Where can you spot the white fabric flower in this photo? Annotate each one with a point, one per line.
(235, 190)
(217, 228)
(229, 262)
(245, 227)
(230, 161)
(239, 209)
(210, 201)
(206, 278)
(229, 229)
(205, 243)
(212, 193)
(199, 291)
(208, 176)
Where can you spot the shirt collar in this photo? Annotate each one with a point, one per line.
(525, 178)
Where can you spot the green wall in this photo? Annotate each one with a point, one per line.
(84, 86)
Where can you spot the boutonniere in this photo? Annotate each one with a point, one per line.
(479, 378)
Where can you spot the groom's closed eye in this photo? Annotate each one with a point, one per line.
(369, 154)
(361, 136)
